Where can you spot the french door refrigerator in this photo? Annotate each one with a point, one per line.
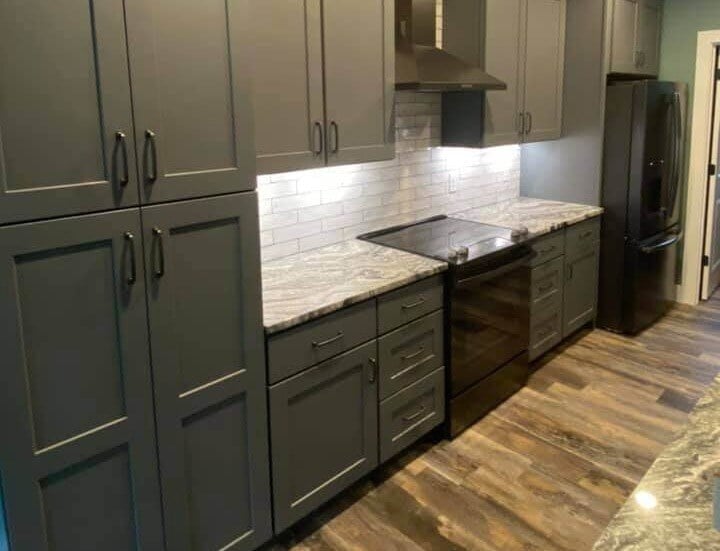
(642, 178)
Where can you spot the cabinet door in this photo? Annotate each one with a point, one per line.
(287, 78)
(581, 283)
(650, 26)
(544, 68)
(190, 66)
(323, 425)
(359, 80)
(203, 279)
(505, 59)
(64, 97)
(78, 459)
(624, 54)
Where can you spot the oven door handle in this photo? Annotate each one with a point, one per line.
(497, 272)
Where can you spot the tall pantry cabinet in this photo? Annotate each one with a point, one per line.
(132, 385)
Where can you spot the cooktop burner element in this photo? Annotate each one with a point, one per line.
(450, 239)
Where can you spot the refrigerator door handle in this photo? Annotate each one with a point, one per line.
(664, 244)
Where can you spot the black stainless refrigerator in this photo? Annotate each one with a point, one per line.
(642, 175)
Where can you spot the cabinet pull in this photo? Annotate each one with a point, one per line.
(373, 370)
(151, 174)
(415, 415)
(336, 137)
(415, 304)
(521, 123)
(159, 270)
(414, 354)
(320, 344)
(570, 272)
(121, 142)
(318, 138)
(130, 239)
(529, 119)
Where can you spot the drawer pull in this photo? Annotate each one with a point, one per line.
(320, 344)
(550, 249)
(415, 415)
(373, 370)
(414, 354)
(415, 304)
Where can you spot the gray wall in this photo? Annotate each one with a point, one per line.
(569, 169)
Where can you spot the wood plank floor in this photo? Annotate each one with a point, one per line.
(550, 467)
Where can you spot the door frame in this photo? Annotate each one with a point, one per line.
(700, 138)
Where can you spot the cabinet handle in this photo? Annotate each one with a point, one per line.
(151, 175)
(130, 239)
(318, 138)
(159, 271)
(529, 119)
(521, 123)
(373, 370)
(415, 415)
(121, 142)
(320, 344)
(570, 272)
(415, 304)
(414, 354)
(336, 137)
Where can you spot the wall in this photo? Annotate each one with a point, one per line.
(570, 169)
(304, 210)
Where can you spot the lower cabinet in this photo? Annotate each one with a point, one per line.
(580, 296)
(79, 467)
(323, 425)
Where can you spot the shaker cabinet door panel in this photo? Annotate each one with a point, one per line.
(504, 42)
(359, 48)
(78, 460)
(545, 62)
(650, 28)
(288, 83)
(580, 294)
(64, 97)
(624, 52)
(202, 270)
(324, 432)
(190, 65)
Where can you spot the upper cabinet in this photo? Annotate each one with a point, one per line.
(525, 47)
(324, 88)
(79, 135)
(636, 27)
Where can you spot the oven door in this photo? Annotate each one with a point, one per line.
(489, 316)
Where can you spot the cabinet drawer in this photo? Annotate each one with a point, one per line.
(545, 331)
(292, 351)
(582, 237)
(409, 353)
(409, 303)
(548, 247)
(411, 413)
(547, 283)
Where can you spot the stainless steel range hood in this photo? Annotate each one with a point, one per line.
(420, 65)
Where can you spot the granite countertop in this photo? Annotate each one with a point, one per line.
(539, 216)
(672, 507)
(305, 286)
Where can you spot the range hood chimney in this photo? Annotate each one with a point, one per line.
(420, 65)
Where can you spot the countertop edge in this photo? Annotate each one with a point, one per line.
(352, 299)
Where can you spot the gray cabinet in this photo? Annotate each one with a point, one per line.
(65, 110)
(202, 272)
(324, 432)
(581, 275)
(324, 88)
(78, 459)
(635, 35)
(190, 68)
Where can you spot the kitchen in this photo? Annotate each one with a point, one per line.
(281, 281)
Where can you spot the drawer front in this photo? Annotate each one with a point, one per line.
(409, 303)
(582, 237)
(411, 413)
(292, 351)
(411, 352)
(548, 247)
(545, 331)
(547, 283)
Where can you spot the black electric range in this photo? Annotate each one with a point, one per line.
(487, 308)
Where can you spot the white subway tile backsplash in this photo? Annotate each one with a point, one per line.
(300, 211)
